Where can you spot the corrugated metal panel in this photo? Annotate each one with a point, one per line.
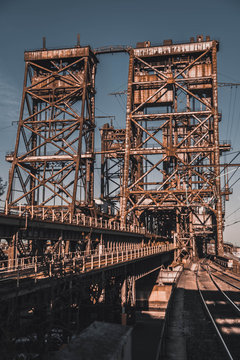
(56, 54)
(149, 88)
(200, 70)
(174, 49)
(52, 82)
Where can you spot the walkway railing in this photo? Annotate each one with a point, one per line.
(60, 216)
(73, 263)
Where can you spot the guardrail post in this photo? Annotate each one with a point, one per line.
(83, 264)
(74, 265)
(106, 259)
(63, 266)
(6, 207)
(18, 276)
(99, 260)
(117, 256)
(50, 270)
(112, 258)
(35, 270)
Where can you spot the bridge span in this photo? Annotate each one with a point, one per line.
(68, 258)
(64, 293)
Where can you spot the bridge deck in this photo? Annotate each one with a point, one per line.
(74, 263)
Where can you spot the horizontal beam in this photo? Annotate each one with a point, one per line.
(45, 158)
(46, 54)
(158, 150)
(173, 49)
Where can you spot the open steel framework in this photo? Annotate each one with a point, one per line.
(112, 143)
(162, 171)
(53, 161)
(171, 177)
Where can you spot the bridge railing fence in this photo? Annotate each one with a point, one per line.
(72, 263)
(53, 215)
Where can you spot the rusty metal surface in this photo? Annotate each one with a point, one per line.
(162, 172)
(57, 54)
(172, 149)
(173, 49)
(161, 176)
(52, 164)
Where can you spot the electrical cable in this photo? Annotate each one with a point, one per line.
(229, 113)
(233, 174)
(237, 128)
(235, 182)
(238, 152)
(233, 112)
(235, 222)
(233, 212)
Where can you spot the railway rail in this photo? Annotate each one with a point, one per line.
(222, 310)
(225, 277)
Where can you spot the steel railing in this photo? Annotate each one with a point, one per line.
(73, 263)
(77, 219)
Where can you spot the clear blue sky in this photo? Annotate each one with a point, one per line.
(23, 23)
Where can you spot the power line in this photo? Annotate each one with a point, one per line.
(233, 113)
(235, 222)
(222, 84)
(233, 212)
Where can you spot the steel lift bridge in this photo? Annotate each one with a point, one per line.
(162, 172)
(169, 152)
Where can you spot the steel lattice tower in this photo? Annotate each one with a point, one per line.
(171, 179)
(112, 142)
(53, 161)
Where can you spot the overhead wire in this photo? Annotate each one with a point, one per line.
(235, 182)
(235, 222)
(229, 113)
(233, 112)
(238, 152)
(233, 213)
(233, 173)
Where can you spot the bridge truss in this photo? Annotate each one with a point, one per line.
(162, 172)
(52, 164)
(160, 184)
(171, 177)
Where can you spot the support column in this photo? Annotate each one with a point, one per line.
(12, 251)
(219, 219)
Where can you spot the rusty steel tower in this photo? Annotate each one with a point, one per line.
(171, 177)
(112, 158)
(53, 162)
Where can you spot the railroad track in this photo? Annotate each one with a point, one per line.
(225, 277)
(222, 309)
